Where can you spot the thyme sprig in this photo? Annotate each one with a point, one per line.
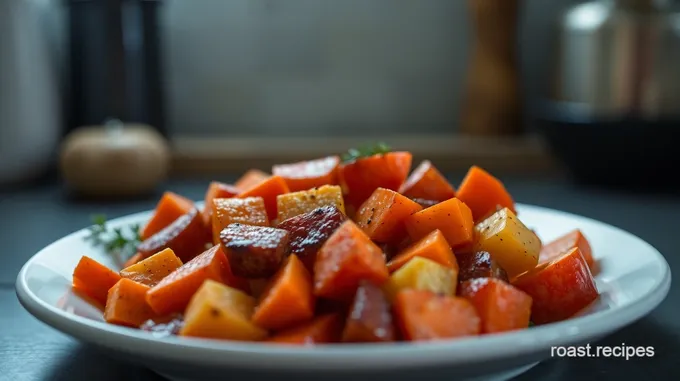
(354, 154)
(117, 242)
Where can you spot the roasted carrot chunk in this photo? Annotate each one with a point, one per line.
(133, 259)
(382, 216)
(288, 298)
(559, 288)
(500, 306)
(292, 204)
(309, 174)
(322, 330)
(126, 304)
(170, 207)
(433, 246)
(361, 177)
(217, 311)
(309, 231)
(172, 293)
(348, 257)
(254, 251)
(268, 189)
(565, 243)
(247, 211)
(370, 318)
(424, 316)
(251, 178)
(426, 182)
(215, 190)
(484, 194)
(187, 237)
(479, 264)
(94, 279)
(152, 270)
(451, 217)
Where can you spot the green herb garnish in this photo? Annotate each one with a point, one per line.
(354, 154)
(531, 324)
(117, 242)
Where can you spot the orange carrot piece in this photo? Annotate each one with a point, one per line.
(452, 217)
(133, 259)
(382, 216)
(152, 270)
(171, 207)
(433, 246)
(126, 304)
(186, 236)
(484, 194)
(216, 190)
(361, 177)
(561, 245)
(288, 299)
(427, 183)
(309, 174)
(246, 211)
(370, 318)
(94, 279)
(322, 330)
(348, 257)
(172, 294)
(268, 190)
(251, 178)
(424, 316)
(501, 306)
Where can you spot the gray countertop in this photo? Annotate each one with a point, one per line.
(32, 218)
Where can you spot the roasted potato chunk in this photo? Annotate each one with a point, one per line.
(422, 274)
(296, 203)
(254, 251)
(479, 264)
(187, 237)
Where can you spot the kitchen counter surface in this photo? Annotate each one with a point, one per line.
(33, 218)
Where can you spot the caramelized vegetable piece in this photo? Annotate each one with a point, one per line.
(247, 211)
(451, 217)
(433, 246)
(322, 330)
(175, 290)
(170, 207)
(94, 279)
(479, 264)
(509, 242)
(370, 319)
(268, 189)
(483, 193)
(501, 306)
(346, 258)
(217, 311)
(361, 177)
(153, 269)
(426, 182)
(254, 251)
(422, 274)
(309, 174)
(288, 299)
(165, 326)
(565, 243)
(425, 316)
(382, 216)
(425, 203)
(133, 259)
(258, 286)
(293, 204)
(309, 231)
(187, 237)
(559, 288)
(216, 190)
(126, 304)
(251, 178)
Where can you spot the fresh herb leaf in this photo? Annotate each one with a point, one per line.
(117, 242)
(354, 154)
(531, 324)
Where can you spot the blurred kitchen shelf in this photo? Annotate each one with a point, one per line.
(208, 155)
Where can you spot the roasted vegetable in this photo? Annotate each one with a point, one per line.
(94, 279)
(309, 174)
(364, 175)
(322, 330)
(246, 211)
(370, 318)
(561, 245)
(186, 236)
(309, 231)
(509, 242)
(171, 207)
(484, 194)
(433, 246)
(293, 204)
(426, 182)
(215, 190)
(254, 251)
(382, 216)
(500, 306)
(268, 189)
(152, 270)
(451, 217)
(422, 274)
(479, 264)
(250, 179)
(126, 304)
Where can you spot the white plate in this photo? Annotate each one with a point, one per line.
(633, 279)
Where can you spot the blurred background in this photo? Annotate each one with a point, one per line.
(215, 86)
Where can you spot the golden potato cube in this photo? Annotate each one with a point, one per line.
(514, 246)
(217, 311)
(422, 274)
(152, 270)
(296, 203)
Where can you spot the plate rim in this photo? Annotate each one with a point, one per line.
(359, 356)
